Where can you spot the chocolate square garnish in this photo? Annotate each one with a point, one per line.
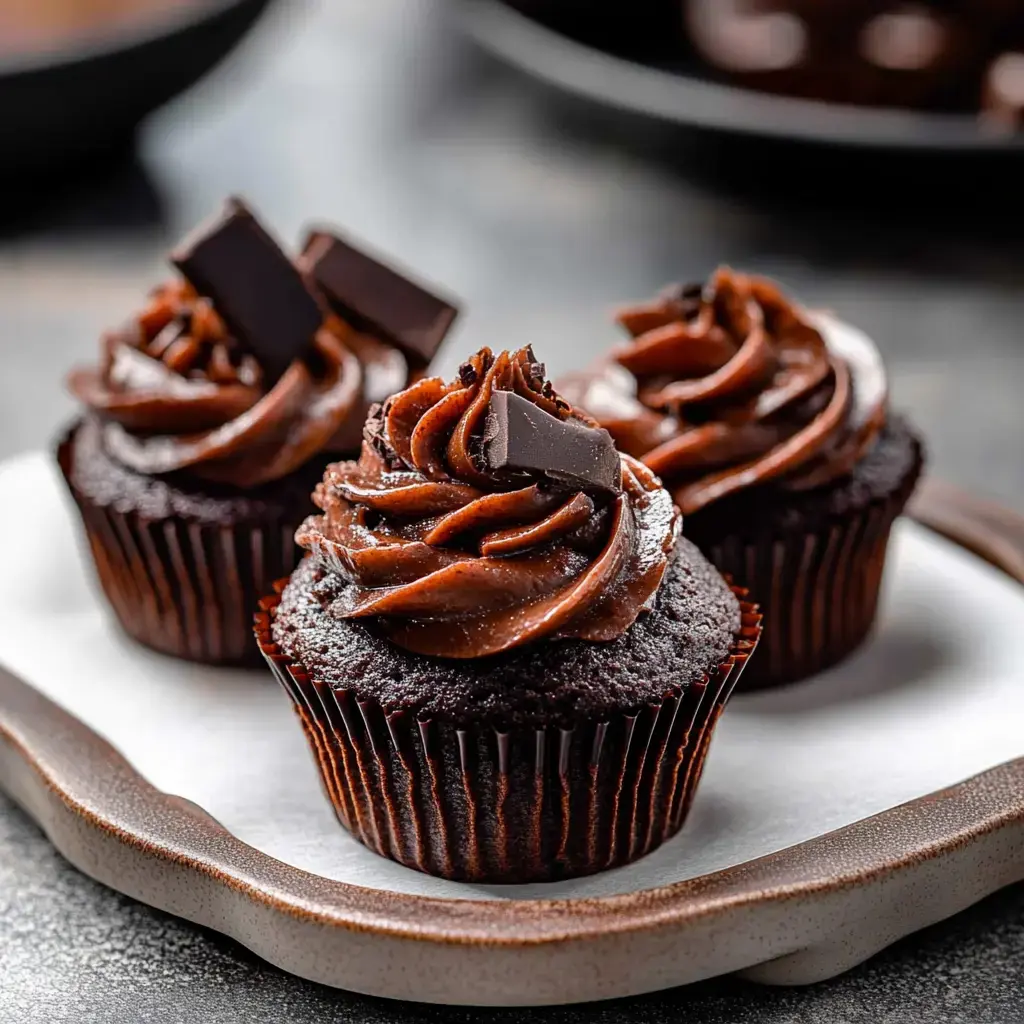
(254, 286)
(377, 298)
(522, 437)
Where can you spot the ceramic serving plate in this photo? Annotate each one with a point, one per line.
(835, 816)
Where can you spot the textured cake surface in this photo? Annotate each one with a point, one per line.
(892, 464)
(688, 633)
(109, 484)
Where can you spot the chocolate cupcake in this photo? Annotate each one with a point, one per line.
(211, 418)
(507, 664)
(770, 426)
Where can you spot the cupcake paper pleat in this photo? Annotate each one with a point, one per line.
(185, 588)
(818, 591)
(516, 805)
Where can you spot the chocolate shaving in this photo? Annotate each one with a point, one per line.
(685, 300)
(375, 435)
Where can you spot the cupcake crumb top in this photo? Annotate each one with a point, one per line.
(691, 628)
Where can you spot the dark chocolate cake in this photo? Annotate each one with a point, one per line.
(771, 428)
(507, 664)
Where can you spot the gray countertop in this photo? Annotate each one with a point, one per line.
(541, 213)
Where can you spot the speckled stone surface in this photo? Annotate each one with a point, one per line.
(540, 213)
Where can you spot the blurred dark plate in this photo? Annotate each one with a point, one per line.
(684, 96)
(63, 107)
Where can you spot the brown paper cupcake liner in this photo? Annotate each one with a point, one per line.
(818, 590)
(519, 805)
(184, 588)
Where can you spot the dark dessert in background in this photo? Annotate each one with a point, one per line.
(78, 76)
(30, 26)
(771, 428)
(938, 55)
(211, 417)
(1002, 96)
(930, 54)
(507, 663)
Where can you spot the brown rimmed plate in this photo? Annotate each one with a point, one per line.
(797, 913)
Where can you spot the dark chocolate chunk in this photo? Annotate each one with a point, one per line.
(253, 285)
(376, 298)
(521, 436)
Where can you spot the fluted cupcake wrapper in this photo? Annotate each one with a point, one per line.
(519, 805)
(185, 588)
(818, 590)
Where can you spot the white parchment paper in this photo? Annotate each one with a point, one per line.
(935, 697)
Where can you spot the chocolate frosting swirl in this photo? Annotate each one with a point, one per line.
(729, 386)
(176, 391)
(451, 559)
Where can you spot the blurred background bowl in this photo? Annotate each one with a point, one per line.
(685, 94)
(68, 104)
